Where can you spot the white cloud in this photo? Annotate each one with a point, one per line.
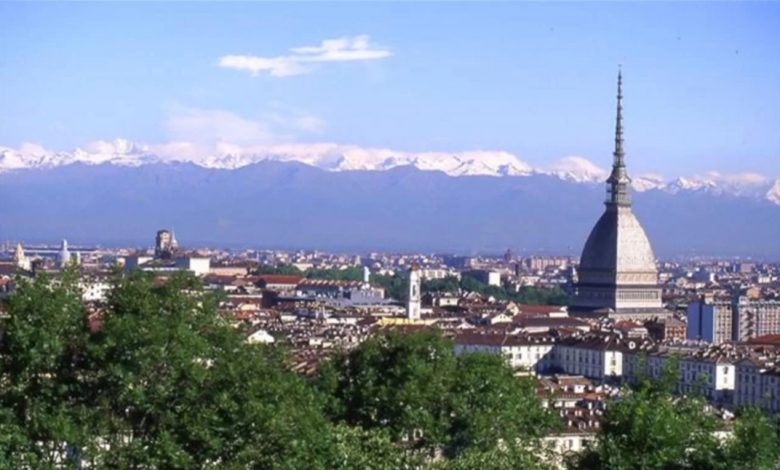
(33, 149)
(115, 147)
(196, 128)
(215, 125)
(738, 179)
(299, 60)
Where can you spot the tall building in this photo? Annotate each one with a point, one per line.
(168, 258)
(20, 259)
(64, 256)
(164, 244)
(710, 321)
(617, 276)
(413, 301)
(737, 320)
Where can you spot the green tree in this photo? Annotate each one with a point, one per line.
(354, 273)
(361, 449)
(754, 443)
(279, 269)
(526, 295)
(395, 286)
(165, 383)
(491, 405)
(650, 428)
(43, 412)
(449, 284)
(413, 386)
(398, 382)
(511, 458)
(181, 389)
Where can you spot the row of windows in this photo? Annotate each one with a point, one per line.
(637, 294)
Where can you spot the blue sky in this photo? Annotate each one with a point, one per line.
(702, 81)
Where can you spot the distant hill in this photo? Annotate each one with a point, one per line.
(290, 205)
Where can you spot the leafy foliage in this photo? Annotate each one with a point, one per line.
(650, 428)
(415, 388)
(164, 384)
(754, 444)
(279, 269)
(41, 404)
(359, 449)
(395, 287)
(354, 273)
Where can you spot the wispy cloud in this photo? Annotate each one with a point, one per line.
(218, 125)
(215, 125)
(301, 59)
(738, 179)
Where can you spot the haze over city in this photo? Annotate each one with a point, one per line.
(430, 236)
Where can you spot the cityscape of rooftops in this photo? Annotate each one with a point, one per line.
(390, 235)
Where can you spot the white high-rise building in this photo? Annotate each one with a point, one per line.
(413, 301)
(64, 257)
(20, 259)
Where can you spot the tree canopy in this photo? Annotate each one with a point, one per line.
(396, 285)
(649, 427)
(164, 383)
(413, 386)
(157, 379)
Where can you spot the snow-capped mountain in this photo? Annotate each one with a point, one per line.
(339, 158)
(119, 152)
(577, 169)
(290, 204)
(773, 193)
(332, 157)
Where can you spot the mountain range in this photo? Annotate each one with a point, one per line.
(334, 157)
(349, 198)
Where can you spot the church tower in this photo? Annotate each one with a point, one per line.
(20, 259)
(413, 301)
(617, 276)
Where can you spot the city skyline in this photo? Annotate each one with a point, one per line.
(530, 80)
(390, 235)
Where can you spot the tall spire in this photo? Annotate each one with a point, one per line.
(619, 154)
(618, 180)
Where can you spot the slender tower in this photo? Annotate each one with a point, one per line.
(413, 302)
(617, 276)
(618, 181)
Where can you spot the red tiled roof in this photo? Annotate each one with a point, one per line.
(771, 340)
(280, 279)
(525, 308)
(563, 322)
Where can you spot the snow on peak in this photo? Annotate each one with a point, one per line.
(115, 147)
(773, 194)
(648, 182)
(337, 157)
(577, 169)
